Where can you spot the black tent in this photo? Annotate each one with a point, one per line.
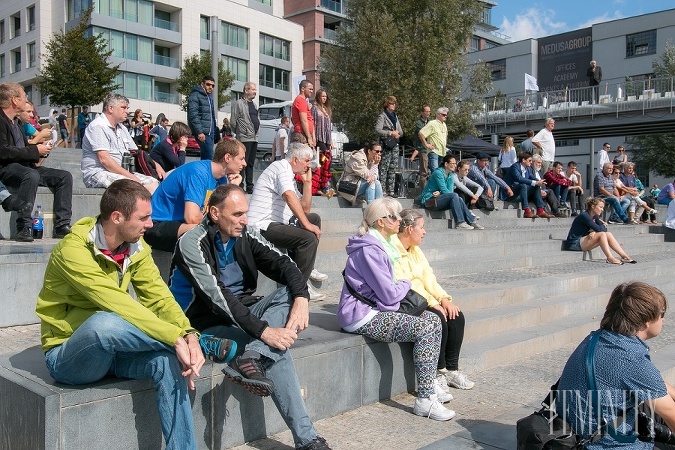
(473, 145)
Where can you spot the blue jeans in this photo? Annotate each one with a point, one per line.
(561, 193)
(206, 147)
(524, 191)
(370, 191)
(107, 345)
(452, 201)
(433, 161)
(619, 210)
(274, 309)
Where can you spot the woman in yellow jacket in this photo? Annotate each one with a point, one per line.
(413, 266)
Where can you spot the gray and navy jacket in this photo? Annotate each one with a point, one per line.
(240, 121)
(209, 303)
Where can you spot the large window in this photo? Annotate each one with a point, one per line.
(2, 65)
(238, 67)
(133, 85)
(204, 27)
(128, 46)
(234, 35)
(16, 60)
(642, 43)
(30, 51)
(274, 77)
(15, 20)
(140, 11)
(498, 69)
(77, 7)
(31, 17)
(2, 31)
(273, 46)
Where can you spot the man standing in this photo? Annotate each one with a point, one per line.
(62, 122)
(481, 174)
(301, 115)
(214, 278)
(201, 116)
(420, 148)
(282, 214)
(524, 183)
(603, 187)
(93, 328)
(83, 120)
(546, 144)
(436, 131)
(245, 124)
(106, 142)
(603, 156)
(594, 74)
(20, 166)
(281, 139)
(527, 145)
(178, 204)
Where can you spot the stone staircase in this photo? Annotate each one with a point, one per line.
(522, 296)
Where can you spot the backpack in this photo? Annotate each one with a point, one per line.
(145, 164)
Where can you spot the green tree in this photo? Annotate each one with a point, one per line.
(657, 151)
(75, 69)
(412, 50)
(195, 68)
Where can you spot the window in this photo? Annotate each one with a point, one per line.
(163, 57)
(2, 31)
(31, 17)
(15, 20)
(642, 43)
(234, 35)
(29, 92)
(163, 92)
(133, 85)
(266, 2)
(485, 15)
(204, 27)
(475, 44)
(77, 7)
(16, 60)
(30, 51)
(265, 100)
(128, 46)
(498, 69)
(139, 11)
(275, 47)
(163, 20)
(237, 67)
(274, 77)
(2, 65)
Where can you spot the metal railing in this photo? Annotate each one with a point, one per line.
(166, 61)
(605, 99)
(166, 24)
(163, 97)
(338, 7)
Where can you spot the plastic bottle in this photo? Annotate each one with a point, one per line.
(38, 223)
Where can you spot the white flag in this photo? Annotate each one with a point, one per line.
(531, 83)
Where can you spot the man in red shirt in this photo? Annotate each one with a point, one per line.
(303, 122)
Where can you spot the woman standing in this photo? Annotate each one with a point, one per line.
(413, 266)
(507, 155)
(370, 274)
(323, 128)
(389, 129)
(588, 231)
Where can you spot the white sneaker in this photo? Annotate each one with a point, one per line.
(458, 380)
(314, 294)
(432, 408)
(440, 391)
(464, 226)
(442, 381)
(477, 227)
(317, 276)
(475, 217)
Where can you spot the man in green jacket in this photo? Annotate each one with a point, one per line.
(92, 327)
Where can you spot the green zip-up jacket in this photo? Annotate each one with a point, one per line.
(80, 281)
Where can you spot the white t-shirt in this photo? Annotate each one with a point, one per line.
(545, 138)
(267, 204)
(603, 158)
(282, 132)
(101, 135)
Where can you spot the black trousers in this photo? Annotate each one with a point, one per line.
(451, 342)
(300, 243)
(247, 173)
(26, 181)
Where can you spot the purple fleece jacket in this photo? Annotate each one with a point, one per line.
(369, 273)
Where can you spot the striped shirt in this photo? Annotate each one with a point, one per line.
(267, 203)
(480, 176)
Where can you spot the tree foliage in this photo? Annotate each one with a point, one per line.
(195, 68)
(412, 50)
(75, 69)
(657, 152)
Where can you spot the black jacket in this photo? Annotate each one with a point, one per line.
(212, 303)
(15, 152)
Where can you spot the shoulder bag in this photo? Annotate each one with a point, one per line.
(413, 303)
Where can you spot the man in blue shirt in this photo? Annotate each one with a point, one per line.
(179, 201)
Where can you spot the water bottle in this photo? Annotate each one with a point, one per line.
(38, 223)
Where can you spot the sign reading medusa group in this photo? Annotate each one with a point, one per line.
(564, 59)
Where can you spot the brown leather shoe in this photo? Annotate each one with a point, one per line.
(529, 215)
(545, 215)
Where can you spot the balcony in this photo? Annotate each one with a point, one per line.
(329, 34)
(166, 61)
(166, 25)
(164, 97)
(338, 7)
(17, 67)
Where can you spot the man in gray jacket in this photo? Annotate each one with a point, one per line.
(201, 116)
(245, 124)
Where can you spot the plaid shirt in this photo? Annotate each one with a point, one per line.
(480, 176)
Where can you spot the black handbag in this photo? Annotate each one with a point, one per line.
(348, 187)
(413, 303)
(390, 142)
(486, 203)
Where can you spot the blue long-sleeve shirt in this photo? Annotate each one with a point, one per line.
(582, 224)
(438, 181)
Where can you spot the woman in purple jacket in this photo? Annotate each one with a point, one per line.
(369, 272)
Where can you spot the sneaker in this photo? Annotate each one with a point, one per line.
(475, 217)
(317, 276)
(249, 373)
(464, 226)
(442, 381)
(440, 391)
(218, 350)
(477, 227)
(432, 408)
(314, 294)
(458, 380)
(613, 222)
(317, 444)
(24, 234)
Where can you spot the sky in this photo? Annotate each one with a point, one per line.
(523, 19)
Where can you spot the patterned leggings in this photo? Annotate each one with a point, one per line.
(424, 331)
(387, 168)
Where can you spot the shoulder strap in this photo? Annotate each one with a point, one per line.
(356, 295)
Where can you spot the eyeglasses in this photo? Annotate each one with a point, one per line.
(210, 84)
(663, 313)
(392, 103)
(443, 115)
(392, 217)
(376, 151)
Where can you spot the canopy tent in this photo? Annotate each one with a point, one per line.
(473, 145)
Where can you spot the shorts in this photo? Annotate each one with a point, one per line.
(64, 133)
(573, 245)
(163, 235)
(103, 179)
